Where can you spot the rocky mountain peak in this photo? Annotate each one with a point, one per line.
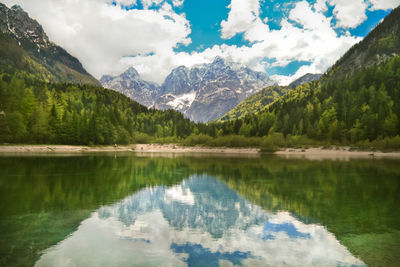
(132, 85)
(131, 73)
(218, 61)
(21, 30)
(16, 22)
(180, 73)
(18, 8)
(106, 79)
(180, 69)
(177, 82)
(202, 93)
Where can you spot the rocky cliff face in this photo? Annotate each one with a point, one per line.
(132, 85)
(202, 93)
(16, 21)
(30, 36)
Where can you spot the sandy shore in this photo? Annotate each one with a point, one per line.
(156, 148)
(61, 149)
(310, 153)
(343, 153)
(140, 148)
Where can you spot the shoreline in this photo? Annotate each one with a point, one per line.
(343, 153)
(311, 153)
(137, 148)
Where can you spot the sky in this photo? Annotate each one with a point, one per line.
(284, 39)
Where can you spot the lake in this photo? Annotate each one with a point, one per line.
(179, 210)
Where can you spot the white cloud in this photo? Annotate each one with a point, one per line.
(108, 39)
(384, 4)
(101, 34)
(241, 17)
(320, 6)
(126, 2)
(148, 3)
(282, 79)
(349, 14)
(316, 42)
(177, 2)
(303, 15)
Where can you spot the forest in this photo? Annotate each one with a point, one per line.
(360, 110)
(32, 111)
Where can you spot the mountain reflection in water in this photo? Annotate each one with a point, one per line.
(199, 222)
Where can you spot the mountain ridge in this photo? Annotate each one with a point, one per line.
(132, 85)
(255, 103)
(202, 93)
(380, 44)
(308, 77)
(40, 56)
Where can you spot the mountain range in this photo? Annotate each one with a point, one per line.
(202, 93)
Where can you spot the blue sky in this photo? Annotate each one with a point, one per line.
(205, 18)
(283, 38)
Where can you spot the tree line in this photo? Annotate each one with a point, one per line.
(364, 107)
(33, 111)
(361, 108)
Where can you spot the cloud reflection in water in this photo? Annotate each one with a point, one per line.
(198, 222)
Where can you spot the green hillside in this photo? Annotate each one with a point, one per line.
(255, 103)
(363, 106)
(355, 102)
(377, 47)
(25, 46)
(46, 96)
(33, 111)
(358, 99)
(14, 58)
(359, 109)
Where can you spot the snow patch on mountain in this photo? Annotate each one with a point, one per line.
(182, 101)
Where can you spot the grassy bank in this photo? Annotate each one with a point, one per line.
(270, 143)
(274, 142)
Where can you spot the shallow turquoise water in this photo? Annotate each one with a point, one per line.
(125, 210)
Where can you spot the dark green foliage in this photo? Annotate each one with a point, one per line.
(32, 111)
(51, 64)
(363, 110)
(255, 103)
(364, 106)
